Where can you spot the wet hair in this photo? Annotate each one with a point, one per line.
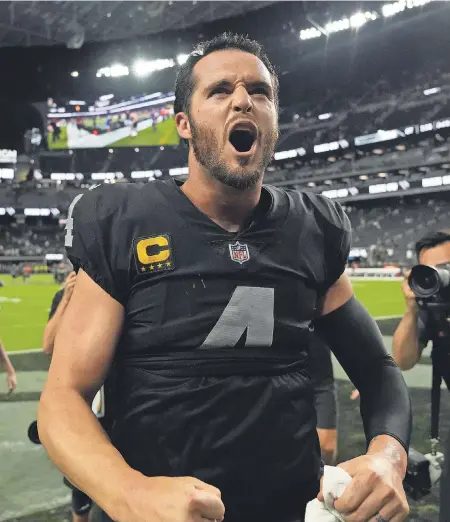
(185, 81)
(432, 240)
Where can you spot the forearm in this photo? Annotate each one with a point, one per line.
(78, 446)
(405, 342)
(4, 359)
(355, 339)
(52, 327)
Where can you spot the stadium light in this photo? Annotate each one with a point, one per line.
(433, 90)
(106, 97)
(394, 8)
(178, 171)
(115, 71)
(182, 59)
(74, 74)
(310, 33)
(358, 20)
(145, 67)
(6, 173)
(337, 26)
(325, 116)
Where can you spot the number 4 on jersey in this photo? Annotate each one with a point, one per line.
(249, 309)
(68, 238)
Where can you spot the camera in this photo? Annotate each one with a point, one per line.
(33, 433)
(431, 283)
(423, 472)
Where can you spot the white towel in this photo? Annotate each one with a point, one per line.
(335, 481)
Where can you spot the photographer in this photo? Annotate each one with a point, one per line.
(420, 325)
(325, 399)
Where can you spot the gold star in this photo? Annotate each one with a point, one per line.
(152, 267)
(143, 268)
(160, 265)
(168, 263)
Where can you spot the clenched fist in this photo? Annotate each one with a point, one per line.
(172, 499)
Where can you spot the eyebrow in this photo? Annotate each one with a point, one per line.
(250, 85)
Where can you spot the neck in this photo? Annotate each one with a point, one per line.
(226, 206)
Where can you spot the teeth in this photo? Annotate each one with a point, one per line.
(245, 127)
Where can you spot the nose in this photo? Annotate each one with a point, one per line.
(242, 101)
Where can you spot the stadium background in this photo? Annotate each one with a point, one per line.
(364, 118)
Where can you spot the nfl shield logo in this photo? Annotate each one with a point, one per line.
(239, 253)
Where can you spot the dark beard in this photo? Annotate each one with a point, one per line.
(206, 150)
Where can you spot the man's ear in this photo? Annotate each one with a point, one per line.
(183, 126)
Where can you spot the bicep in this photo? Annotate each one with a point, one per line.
(86, 340)
(336, 296)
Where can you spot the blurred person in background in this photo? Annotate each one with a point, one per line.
(417, 327)
(11, 378)
(60, 301)
(325, 399)
(207, 293)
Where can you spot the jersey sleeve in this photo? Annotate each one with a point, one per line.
(56, 300)
(337, 237)
(94, 238)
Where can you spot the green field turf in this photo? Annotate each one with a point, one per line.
(61, 143)
(24, 306)
(165, 134)
(381, 298)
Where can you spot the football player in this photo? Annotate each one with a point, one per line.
(205, 295)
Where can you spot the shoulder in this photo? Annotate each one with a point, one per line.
(324, 211)
(115, 202)
(101, 200)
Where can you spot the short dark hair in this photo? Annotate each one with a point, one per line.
(185, 83)
(432, 240)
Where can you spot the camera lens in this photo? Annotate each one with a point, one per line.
(424, 281)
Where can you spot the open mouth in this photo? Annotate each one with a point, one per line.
(243, 136)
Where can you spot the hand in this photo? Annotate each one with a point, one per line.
(354, 395)
(407, 292)
(68, 286)
(11, 381)
(376, 488)
(173, 499)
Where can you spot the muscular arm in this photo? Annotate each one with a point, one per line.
(68, 429)
(405, 343)
(355, 339)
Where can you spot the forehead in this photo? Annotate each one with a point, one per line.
(437, 255)
(231, 65)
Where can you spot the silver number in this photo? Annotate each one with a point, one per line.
(250, 308)
(68, 238)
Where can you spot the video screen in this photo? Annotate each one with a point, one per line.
(140, 121)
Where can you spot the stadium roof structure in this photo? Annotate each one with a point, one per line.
(74, 23)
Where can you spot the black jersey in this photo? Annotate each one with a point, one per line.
(212, 361)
